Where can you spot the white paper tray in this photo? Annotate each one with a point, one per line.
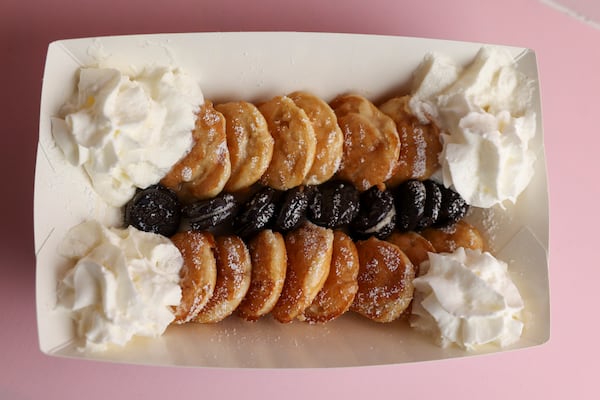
(255, 67)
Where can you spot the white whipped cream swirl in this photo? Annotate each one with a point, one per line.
(123, 284)
(128, 131)
(485, 112)
(467, 298)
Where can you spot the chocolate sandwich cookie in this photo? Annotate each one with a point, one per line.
(453, 208)
(292, 209)
(257, 213)
(433, 203)
(377, 214)
(334, 204)
(206, 214)
(154, 209)
(410, 204)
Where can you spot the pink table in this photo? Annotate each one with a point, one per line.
(569, 62)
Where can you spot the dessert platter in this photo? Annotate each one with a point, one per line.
(289, 200)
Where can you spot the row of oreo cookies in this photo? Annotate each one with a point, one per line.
(412, 206)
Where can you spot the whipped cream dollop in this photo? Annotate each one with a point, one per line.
(467, 298)
(127, 131)
(123, 284)
(486, 115)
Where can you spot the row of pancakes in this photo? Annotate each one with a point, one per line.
(313, 273)
(300, 139)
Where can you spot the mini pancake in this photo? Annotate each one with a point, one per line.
(371, 142)
(198, 276)
(385, 281)
(341, 285)
(233, 279)
(205, 170)
(249, 142)
(415, 246)
(295, 143)
(421, 143)
(450, 238)
(309, 249)
(329, 136)
(269, 263)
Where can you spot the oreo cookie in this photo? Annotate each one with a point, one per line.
(410, 204)
(334, 204)
(453, 208)
(433, 203)
(292, 210)
(207, 214)
(257, 213)
(154, 209)
(377, 214)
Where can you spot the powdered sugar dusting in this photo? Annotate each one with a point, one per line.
(419, 167)
(233, 279)
(186, 174)
(384, 280)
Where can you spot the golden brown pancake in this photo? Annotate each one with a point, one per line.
(233, 279)
(330, 140)
(205, 170)
(269, 263)
(249, 142)
(295, 143)
(448, 239)
(198, 275)
(385, 281)
(415, 246)
(309, 249)
(341, 285)
(420, 146)
(371, 142)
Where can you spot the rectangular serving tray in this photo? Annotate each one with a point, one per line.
(255, 67)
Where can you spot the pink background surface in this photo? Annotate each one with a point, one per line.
(569, 61)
